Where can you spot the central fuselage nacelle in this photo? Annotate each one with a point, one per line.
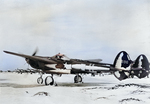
(60, 68)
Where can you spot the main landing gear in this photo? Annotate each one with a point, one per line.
(77, 79)
(49, 80)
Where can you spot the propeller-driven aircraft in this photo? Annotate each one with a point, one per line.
(122, 68)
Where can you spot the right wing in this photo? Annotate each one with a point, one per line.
(89, 62)
(36, 58)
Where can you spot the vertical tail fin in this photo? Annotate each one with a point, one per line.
(122, 63)
(141, 62)
(140, 67)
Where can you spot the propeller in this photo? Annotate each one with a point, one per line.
(27, 60)
(36, 50)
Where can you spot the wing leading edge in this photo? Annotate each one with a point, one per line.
(37, 58)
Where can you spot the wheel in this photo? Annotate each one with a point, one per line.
(77, 79)
(49, 80)
(40, 80)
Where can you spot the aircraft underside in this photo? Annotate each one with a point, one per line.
(73, 69)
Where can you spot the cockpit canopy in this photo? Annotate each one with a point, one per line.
(61, 56)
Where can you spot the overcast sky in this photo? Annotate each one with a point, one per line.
(81, 29)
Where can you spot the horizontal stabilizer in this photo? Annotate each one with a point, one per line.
(95, 60)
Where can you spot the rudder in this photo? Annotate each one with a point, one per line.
(122, 64)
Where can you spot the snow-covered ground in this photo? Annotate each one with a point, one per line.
(23, 89)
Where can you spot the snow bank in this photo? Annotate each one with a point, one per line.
(23, 89)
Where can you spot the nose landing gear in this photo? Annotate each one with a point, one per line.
(40, 80)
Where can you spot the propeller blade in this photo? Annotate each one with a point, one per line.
(35, 52)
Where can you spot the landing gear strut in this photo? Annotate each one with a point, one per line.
(40, 80)
(77, 79)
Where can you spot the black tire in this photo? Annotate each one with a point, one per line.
(77, 79)
(49, 80)
(40, 80)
